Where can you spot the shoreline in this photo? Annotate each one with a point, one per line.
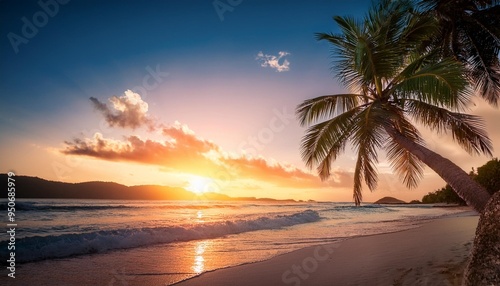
(344, 261)
(434, 253)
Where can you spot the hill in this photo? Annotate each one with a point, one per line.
(34, 187)
(389, 200)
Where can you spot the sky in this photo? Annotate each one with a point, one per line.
(193, 94)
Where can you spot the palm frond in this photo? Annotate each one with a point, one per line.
(442, 84)
(470, 32)
(357, 193)
(367, 137)
(350, 28)
(359, 57)
(418, 30)
(481, 58)
(406, 165)
(327, 106)
(327, 139)
(342, 60)
(467, 130)
(487, 83)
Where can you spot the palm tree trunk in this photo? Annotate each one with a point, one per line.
(483, 268)
(469, 190)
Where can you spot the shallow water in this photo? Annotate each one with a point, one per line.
(173, 240)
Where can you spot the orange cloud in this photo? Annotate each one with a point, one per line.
(284, 175)
(183, 151)
(180, 151)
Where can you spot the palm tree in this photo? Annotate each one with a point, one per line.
(391, 86)
(470, 32)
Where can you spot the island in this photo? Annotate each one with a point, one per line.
(390, 200)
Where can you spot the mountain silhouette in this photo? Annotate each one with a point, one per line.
(34, 187)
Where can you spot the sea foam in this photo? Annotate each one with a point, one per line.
(37, 248)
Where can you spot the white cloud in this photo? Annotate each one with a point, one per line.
(274, 61)
(126, 111)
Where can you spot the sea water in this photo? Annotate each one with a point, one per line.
(191, 237)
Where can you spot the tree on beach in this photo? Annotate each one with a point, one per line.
(470, 33)
(488, 176)
(444, 195)
(393, 83)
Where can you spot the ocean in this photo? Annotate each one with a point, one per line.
(186, 237)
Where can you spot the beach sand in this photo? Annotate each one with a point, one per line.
(435, 253)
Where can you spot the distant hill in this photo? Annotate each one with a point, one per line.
(34, 187)
(389, 200)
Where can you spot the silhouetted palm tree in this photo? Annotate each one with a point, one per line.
(470, 32)
(391, 86)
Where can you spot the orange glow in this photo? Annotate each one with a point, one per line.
(199, 185)
(199, 261)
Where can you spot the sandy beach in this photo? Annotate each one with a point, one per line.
(435, 253)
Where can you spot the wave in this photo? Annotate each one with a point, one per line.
(34, 206)
(364, 208)
(47, 247)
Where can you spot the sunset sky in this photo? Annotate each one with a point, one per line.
(196, 94)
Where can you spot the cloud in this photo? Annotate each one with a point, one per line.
(284, 175)
(126, 111)
(274, 61)
(182, 151)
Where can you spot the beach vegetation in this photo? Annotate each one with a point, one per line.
(488, 175)
(444, 195)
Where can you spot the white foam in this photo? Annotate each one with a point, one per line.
(40, 248)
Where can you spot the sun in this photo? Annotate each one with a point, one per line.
(199, 185)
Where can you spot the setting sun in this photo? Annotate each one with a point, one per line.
(199, 185)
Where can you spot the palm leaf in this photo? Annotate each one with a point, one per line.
(467, 130)
(406, 165)
(327, 139)
(442, 84)
(327, 106)
(367, 137)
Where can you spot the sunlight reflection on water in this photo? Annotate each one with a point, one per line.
(199, 260)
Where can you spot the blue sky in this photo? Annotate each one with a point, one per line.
(92, 47)
(195, 67)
